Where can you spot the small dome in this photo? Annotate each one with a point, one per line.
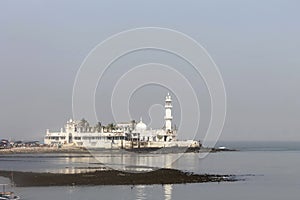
(141, 126)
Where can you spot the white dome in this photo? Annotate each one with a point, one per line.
(141, 126)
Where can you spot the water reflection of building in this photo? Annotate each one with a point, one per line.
(141, 192)
(168, 191)
(124, 160)
(73, 164)
(120, 160)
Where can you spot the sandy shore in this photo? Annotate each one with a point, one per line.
(112, 177)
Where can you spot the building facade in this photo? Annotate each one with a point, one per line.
(125, 135)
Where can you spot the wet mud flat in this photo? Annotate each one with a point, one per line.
(112, 177)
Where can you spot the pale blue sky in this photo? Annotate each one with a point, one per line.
(255, 44)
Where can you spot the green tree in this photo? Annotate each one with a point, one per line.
(111, 127)
(98, 127)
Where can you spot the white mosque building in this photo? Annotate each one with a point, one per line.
(127, 135)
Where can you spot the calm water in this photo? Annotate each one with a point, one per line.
(276, 169)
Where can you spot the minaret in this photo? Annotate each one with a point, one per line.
(168, 115)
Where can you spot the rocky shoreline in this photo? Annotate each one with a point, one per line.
(112, 177)
(35, 150)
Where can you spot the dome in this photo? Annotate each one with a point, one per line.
(141, 126)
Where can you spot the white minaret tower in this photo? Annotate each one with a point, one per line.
(168, 115)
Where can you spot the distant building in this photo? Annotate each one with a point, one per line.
(121, 135)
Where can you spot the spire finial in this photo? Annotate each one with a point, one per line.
(168, 96)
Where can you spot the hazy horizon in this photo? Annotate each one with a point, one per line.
(255, 44)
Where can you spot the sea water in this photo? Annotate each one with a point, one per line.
(269, 171)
